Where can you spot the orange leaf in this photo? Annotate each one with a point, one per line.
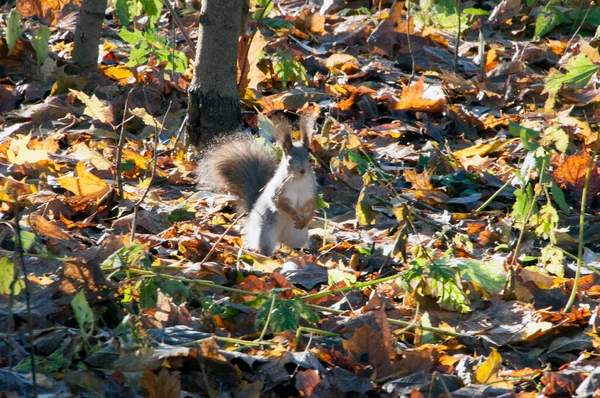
(420, 98)
(570, 174)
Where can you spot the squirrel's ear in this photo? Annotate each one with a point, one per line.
(307, 129)
(283, 133)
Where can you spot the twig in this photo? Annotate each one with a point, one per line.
(177, 20)
(581, 225)
(412, 56)
(136, 206)
(580, 25)
(214, 246)
(458, 5)
(118, 166)
(230, 341)
(19, 259)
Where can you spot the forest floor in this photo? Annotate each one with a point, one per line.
(454, 251)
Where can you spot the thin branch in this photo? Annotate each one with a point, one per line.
(458, 5)
(20, 260)
(118, 167)
(177, 20)
(152, 176)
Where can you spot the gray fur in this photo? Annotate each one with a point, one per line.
(240, 167)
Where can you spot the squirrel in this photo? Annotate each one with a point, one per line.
(279, 200)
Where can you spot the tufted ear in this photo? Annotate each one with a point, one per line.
(307, 129)
(283, 133)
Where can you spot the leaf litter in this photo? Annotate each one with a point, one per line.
(444, 248)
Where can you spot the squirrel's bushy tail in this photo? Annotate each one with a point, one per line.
(240, 167)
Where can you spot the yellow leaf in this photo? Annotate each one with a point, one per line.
(84, 153)
(146, 117)
(18, 153)
(85, 184)
(138, 159)
(483, 149)
(489, 368)
(94, 107)
(120, 73)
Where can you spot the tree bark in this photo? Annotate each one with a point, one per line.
(214, 103)
(87, 34)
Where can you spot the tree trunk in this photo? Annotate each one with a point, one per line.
(87, 34)
(214, 103)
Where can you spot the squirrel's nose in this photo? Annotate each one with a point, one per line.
(302, 171)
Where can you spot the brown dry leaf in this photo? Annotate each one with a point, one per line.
(49, 229)
(85, 184)
(417, 97)
(570, 174)
(165, 384)
(345, 62)
(310, 21)
(418, 180)
(368, 339)
(251, 76)
(559, 384)
(47, 11)
(307, 381)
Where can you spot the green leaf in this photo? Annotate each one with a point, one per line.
(320, 203)
(364, 209)
(185, 212)
(128, 256)
(126, 10)
(475, 11)
(83, 314)
(580, 71)
(522, 205)
(557, 136)
(152, 8)
(547, 222)
(27, 240)
(7, 275)
(444, 284)
(262, 12)
(149, 294)
(490, 275)
(559, 197)
(548, 19)
(13, 29)
(528, 136)
(39, 41)
(131, 37)
(552, 260)
(335, 275)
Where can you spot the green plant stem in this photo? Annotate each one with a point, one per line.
(42, 256)
(303, 329)
(271, 308)
(407, 325)
(588, 174)
(574, 257)
(359, 285)
(188, 280)
(491, 198)
(229, 340)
